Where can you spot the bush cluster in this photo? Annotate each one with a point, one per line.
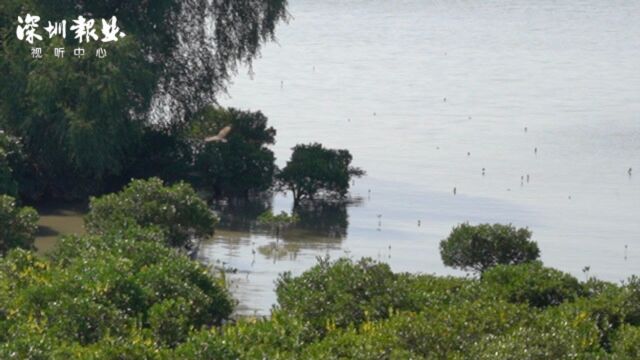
(125, 291)
(126, 296)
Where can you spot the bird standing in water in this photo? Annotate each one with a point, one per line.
(221, 137)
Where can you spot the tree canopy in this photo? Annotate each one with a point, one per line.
(240, 165)
(84, 116)
(10, 158)
(480, 247)
(314, 170)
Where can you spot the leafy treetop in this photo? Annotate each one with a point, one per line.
(315, 170)
(480, 247)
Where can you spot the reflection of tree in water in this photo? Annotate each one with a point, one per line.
(321, 226)
(241, 214)
(325, 218)
(277, 252)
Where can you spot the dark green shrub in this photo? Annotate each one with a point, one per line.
(133, 346)
(109, 291)
(532, 284)
(205, 344)
(632, 300)
(176, 210)
(480, 247)
(277, 337)
(339, 293)
(626, 344)
(371, 341)
(9, 154)
(557, 333)
(447, 331)
(18, 225)
(419, 292)
(608, 309)
(170, 321)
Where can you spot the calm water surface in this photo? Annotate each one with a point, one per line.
(426, 94)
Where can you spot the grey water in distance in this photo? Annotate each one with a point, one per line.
(542, 95)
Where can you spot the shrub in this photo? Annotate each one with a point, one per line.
(447, 331)
(17, 225)
(419, 292)
(339, 293)
(276, 337)
(627, 342)
(170, 320)
(558, 333)
(370, 341)
(111, 291)
(205, 344)
(608, 309)
(176, 210)
(9, 150)
(532, 284)
(480, 247)
(632, 300)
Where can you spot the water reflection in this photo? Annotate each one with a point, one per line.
(56, 220)
(257, 255)
(276, 251)
(241, 214)
(326, 218)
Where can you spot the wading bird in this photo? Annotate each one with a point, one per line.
(221, 137)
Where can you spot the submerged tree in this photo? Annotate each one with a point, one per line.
(277, 222)
(314, 170)
(480, 247)
(84, 116)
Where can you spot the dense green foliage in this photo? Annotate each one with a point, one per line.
(314, 170)
(533, 284)
(480, 247)
(18, 225)
(241, 165)
(10, 159)
(338, 294)
(104, 294)
(362, 310)
(176, 210)
(123, 295)
(83, 120)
